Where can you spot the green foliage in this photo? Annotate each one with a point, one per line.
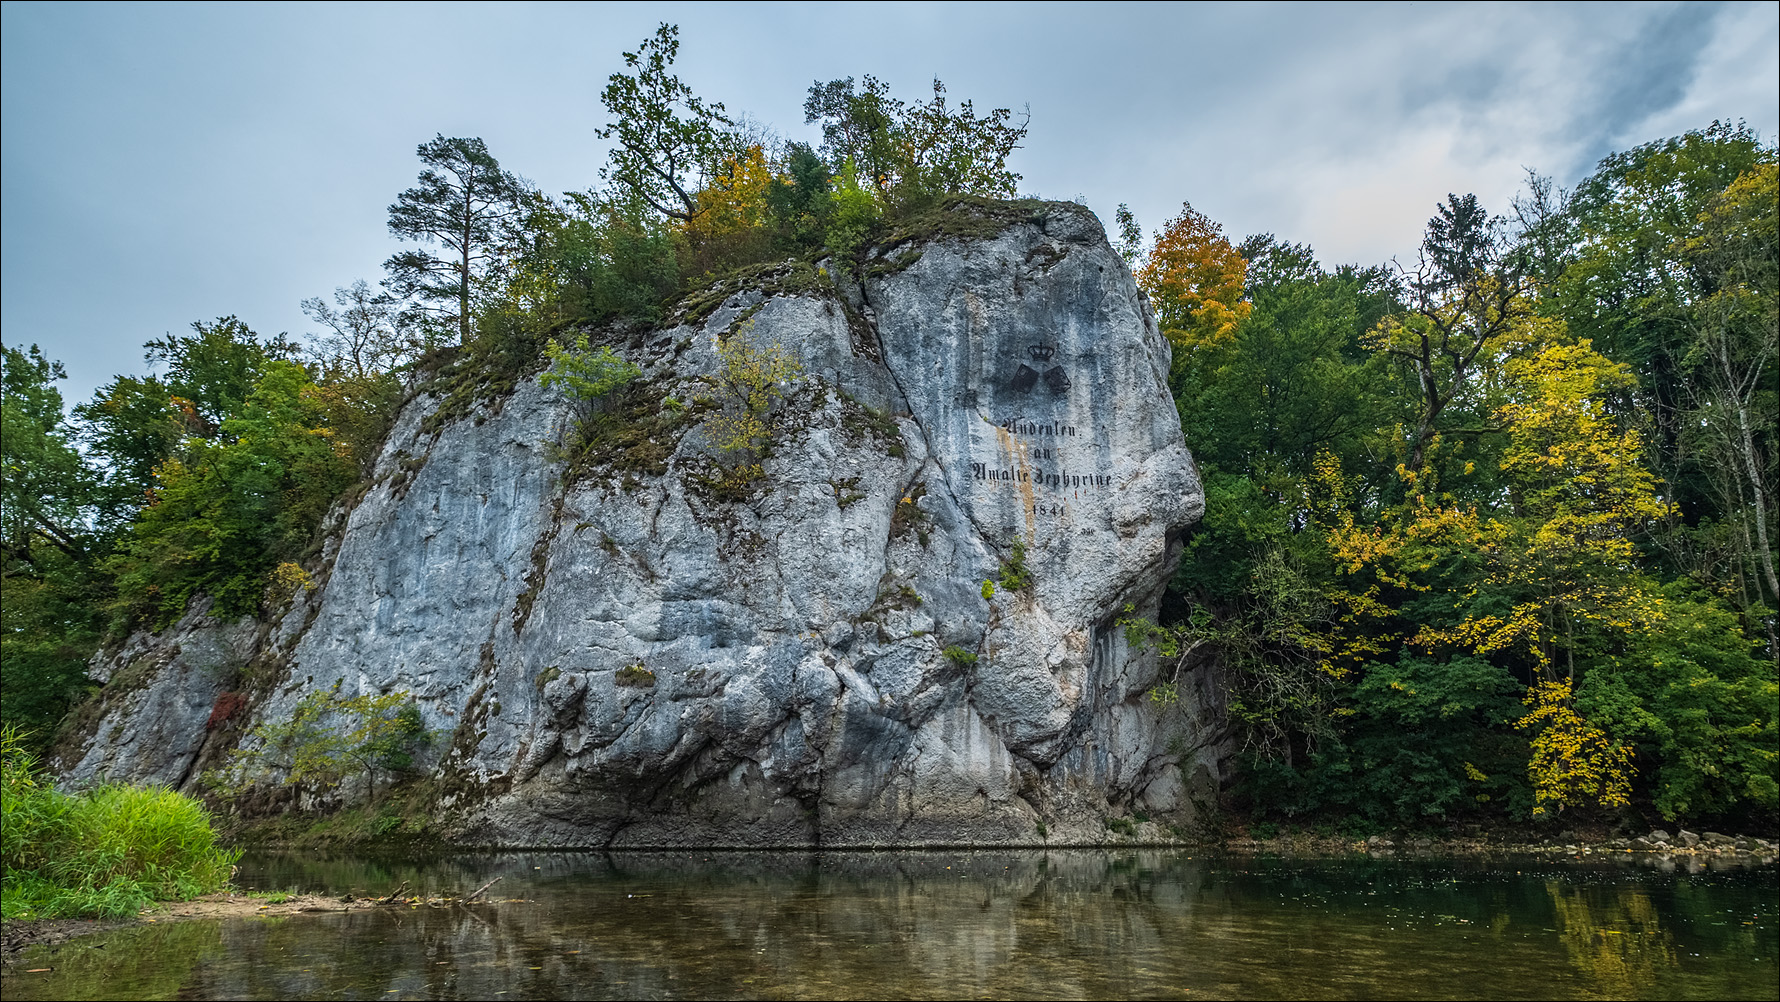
(1274, 646)
(466, 203)
(617, 426)
(800, 201)
(1670, 269)
(212, 371)
(855, 214)
(221, 519)
(1014, 575)
(1699, 702)
(668, 141)
(1242, 521)
(913, 153)
(637, 676)
(50, 500)
(329, 736)
(589, 376)
(1294, 379)
(1130, 241)
(1419, 738)
(1512, 548)
(132, 425)
(960, 657)
(108, 851)
(47, 488)
(49, 627)
(591, 259)
(751, 381)
(135, 424)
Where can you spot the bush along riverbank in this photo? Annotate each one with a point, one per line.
(108, 851)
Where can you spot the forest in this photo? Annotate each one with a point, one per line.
(1489, 529)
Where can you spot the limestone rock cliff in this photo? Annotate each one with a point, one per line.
(630, 656)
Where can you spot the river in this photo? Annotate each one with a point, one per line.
(965, 924)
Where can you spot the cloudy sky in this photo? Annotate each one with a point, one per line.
(161, 164)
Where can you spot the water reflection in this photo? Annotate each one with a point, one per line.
(946, 925)
(1614, 937)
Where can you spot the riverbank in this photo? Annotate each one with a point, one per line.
(20, 934)
(1658, 844)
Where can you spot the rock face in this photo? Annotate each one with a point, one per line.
(642, 655)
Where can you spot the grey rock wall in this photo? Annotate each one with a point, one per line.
(989, 397)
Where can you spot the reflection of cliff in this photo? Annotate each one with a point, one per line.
(754, 927)
(1613, 936)
(794, 634)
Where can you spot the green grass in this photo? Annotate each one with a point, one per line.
(109, 851)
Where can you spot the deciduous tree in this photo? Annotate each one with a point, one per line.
(366, 334)
(912, 152)
(669, 142)
(1194, 278)
(1468, 299)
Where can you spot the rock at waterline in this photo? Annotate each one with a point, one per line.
(650, 655)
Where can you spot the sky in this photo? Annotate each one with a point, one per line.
(167, 163)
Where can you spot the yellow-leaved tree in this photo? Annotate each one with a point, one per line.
(1194, 277)
(753, 378)
(731, 223)
(1545, 573)
(734, 203)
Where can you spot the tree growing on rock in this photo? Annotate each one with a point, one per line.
(329, 736)
(464, 202)
(908, 153)
(670, 142)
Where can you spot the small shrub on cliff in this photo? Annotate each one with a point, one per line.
(328, 737)
(1015, 575)
(592, 379)
(637, 676)
(752, 380)
(959, 656)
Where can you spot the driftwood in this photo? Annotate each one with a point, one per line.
(394, 894)
(478, 891)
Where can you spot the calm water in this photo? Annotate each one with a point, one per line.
(1069, 924)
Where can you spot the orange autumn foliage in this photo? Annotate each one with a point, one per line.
(1194, 277)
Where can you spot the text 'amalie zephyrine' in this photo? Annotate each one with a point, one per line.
(1026, 378)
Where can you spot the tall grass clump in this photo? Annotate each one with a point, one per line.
(108, 851)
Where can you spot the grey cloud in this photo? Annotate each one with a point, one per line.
(165, 164)
(1648, 75)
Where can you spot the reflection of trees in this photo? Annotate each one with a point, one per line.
(144, 962)
(1612, 935)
